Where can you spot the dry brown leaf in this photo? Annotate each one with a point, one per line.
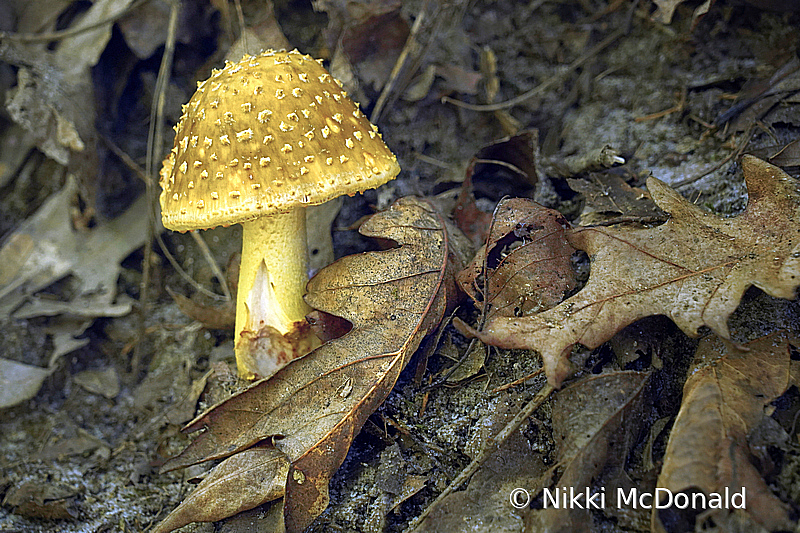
(47, 248)
(723, 400)
(592, 420)
(314, 407)
(240, 482)
(20, 382)
(53, 98)
(608, 196)
(765, 100)
(42, 499)
(468, 217)
(518, 154)
(374, 58)
(529, 264)
(483, 505)
(693, 269)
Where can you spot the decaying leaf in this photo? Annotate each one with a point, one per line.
(473, 222)
(77, 441)
(103, 381)
(666, 8)
(485, 500)
(240, 482)
(54, 93)
(608, 196)
(51, 501)
(376, 57)
(46, 248)
(518, 154)
(529, 265)
(313, 408)
(693, 269)
(592, 422)
(723, 400)
(214, 316)
(758, 102)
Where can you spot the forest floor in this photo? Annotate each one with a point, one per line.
(84, 433)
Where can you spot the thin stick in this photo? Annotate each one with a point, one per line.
(182, 273)
(484, 307)
(139, 171)
(492, 445)
(735, 153)
(201, 243)
(155, 140)
(532, 375)
(411, 44)
(542, 87)
(242, 29)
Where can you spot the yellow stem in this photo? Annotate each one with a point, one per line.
(272, 281)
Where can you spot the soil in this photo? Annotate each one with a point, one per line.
(652, 94)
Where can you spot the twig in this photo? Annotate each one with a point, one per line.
(734, 153)
(125, 158)
(678, 107)
(492, 445)
(140, 172)
(201, 243)
(411, 45)
(484, 307)
(71, 32)
(185, 275)
(155, 141)
(516, 382)
(542, 87)
(433, 13)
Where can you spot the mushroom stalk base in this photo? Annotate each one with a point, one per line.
(271, 329)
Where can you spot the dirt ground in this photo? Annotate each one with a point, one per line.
(82, 454)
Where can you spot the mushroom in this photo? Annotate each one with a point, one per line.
(259, 141)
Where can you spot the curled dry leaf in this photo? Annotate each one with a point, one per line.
(694, 269)
(313, 408)
(240, 482)
(529, 266)
(517, 154)
(723, 400)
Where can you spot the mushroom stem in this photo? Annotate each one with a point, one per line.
(271, 328)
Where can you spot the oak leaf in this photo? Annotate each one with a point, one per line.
(313, 408)
(724, 399)
(529, 266)
(694, 269)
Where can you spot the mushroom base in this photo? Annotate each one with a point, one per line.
(271, 329)
(282, 348)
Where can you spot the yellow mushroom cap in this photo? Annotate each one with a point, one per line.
(264, 135)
